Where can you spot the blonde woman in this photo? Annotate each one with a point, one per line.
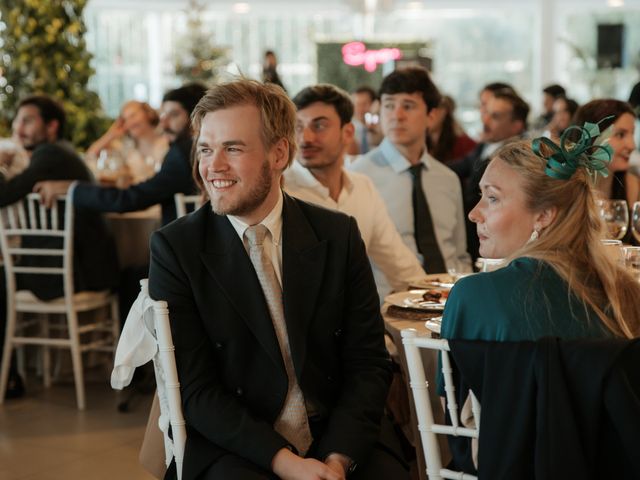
(538, 211)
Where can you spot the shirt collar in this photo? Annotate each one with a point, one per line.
(305, 179)
(397, 161)
(273, 222)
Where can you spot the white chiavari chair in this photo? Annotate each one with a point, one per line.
(420, 388)
(28, 317)
(186, 203)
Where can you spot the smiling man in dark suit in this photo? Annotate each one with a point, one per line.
(274, 311)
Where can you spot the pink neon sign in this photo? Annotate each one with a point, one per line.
(356, 53)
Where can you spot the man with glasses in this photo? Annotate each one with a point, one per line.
(323, 131)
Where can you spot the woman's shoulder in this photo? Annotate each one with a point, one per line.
(516, 270)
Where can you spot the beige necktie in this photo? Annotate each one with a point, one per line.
(292, 423)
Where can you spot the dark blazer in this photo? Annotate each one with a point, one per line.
(470, 169)
(174, 177)
(232, 376)
(95, 260)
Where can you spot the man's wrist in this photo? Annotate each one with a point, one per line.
(347, 463)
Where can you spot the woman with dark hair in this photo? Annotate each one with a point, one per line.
(621, 184)
(446, 141)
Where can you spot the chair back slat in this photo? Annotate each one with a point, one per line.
(187, 203)
(420, 389)
(27, 220)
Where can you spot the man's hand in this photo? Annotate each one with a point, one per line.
(50, 190)
(289, 466)
(338, 463)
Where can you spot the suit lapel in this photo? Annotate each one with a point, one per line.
(228, 263)
(303, 266)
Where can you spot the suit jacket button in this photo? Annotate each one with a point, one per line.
(218, 345)
(239, 392)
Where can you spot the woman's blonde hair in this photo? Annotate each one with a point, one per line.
(571, 243)
(149, 111)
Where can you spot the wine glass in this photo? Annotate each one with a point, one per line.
(615, 214)
(635, 221)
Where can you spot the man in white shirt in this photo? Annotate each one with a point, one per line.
(323, 131)
(422, 195)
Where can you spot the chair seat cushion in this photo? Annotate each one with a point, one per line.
(80, 298)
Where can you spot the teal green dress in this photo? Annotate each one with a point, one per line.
(525, 300)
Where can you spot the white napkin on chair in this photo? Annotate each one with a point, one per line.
(137, 345)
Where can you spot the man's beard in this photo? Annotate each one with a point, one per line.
(252, 200)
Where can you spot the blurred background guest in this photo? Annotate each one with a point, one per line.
(563, 111)
(504, 118)
(549, 95)
(621, 184)
(136, 139)
(270, 69)
(446, 140)
(366, 107)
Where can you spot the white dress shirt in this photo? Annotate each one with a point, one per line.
(389, 171)
(272, 242)
(360, 199)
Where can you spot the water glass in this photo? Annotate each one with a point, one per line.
(635, 221)
(615, 214)
(632, 261)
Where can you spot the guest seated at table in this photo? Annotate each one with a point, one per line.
(621, 184)
(323, 131)
(135, 137)
(422, 195)
(39, 128)
(539, 212)
(174, 175)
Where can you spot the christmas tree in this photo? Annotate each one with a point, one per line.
(197, 60)
(42, 50)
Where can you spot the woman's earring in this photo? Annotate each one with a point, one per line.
(534, 236)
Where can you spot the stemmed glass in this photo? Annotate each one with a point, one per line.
(615, 214)
(635, 221)
(632, 260)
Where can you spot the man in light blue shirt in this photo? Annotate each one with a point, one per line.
(423, 196)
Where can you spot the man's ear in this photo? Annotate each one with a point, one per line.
(52, 130)
(545, 218)
(431, 117)
(280, 152)
(348, 133)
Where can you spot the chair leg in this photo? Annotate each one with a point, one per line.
(115, 321)
(46, 353)
(76, 358)
(6, 353)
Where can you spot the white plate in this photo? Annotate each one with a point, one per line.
(413, 299)
(434, 324)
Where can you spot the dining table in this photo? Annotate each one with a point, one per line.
(397, 319)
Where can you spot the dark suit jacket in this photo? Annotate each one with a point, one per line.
(174, 177)
(95, 261)
(470, 170)
(232, 376)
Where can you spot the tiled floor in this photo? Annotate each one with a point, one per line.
(44, 437)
